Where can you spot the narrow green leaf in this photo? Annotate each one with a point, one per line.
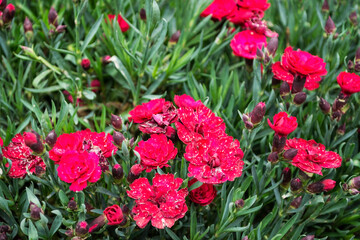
(91, 33)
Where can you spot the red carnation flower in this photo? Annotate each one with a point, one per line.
(156, 152)
(145, 111)
(162, 203)
(79, 169)
(312, 156)
(22, 159)
(283, 125)
(215, 160)
(219, 9)
(85, 64)
(349, 83)
(124, 26)
(245, 43)
(198, 123)
(300, 63)
(1, 142)
(114, 215)
(80, 141)
(186, 101)
(260, 5)
(202, 195)
(240, 15)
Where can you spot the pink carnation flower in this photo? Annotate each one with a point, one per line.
(245, 43)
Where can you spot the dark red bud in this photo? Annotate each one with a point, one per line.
(72, 205)
(296, 202)
(8, 13)
(309, 237)
(131, 142)
(272, 46)
(175, 37)
(34, 142)
(60, 28)
(273, 157)
(52, 17)
(355, 183)
(350, 66)
(295, 185)
(28, 27)
(284, 89)
(317, 187)
(116, 122)
(4, 228)
(35, 211)
(357, 55)
(257, 114)
(143, 14)
(2, 4)
(69, 232)
(354, 191)
(82, 228)
(248, 123)
(298, 84)
(341, 130)
(353, 18)
(97, 223)
(357, 66)
(30, 138)
(85, 64)
(118, 138)
(278, 143)
(259, 54)
(240, 203)
(325, 6)
(286, 173)
(51, 138)
(105, 60)
(117, 172)
(39, 171)
(125, 209)
(290, 153)
(324, 106)
(300, 98)
(330, 27)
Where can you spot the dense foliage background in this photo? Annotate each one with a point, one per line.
(146, 65)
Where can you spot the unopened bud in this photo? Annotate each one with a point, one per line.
(355, 183)
(296, 202)
(328, 184)
(8, 13)
(28, 29)
(272, 46)
(117, 172)
(143, 14)
(341, 129)
(330, 27)
(35, 211)
(300, 98)
(131, 142)
(39, 171)
(325, 6)
(324, 106)
(125, 209)
(273, 157)
(317, 187)
(72, 205)
(85, 64)
(354, 191)
(69, 232)
(134, 173)
(260, 54)
(284, 89)
(51, 139)
(118, 138)
(295, 185)
(116, 122)
(286, 173)
(357, 55)
(60, 28)
(82, 228)
(278, 143)
(309, 237)
(353, 18)
(29, 52)
(52, 17)
(240, 203)
(248, 123)
(175, 37)
(350, 66)
(298, 84)
(257, 114)
(105, 60)
(290, 154)
(34, 142)
(2, 4)
(357, 66)
(4, 228)
(98, 223)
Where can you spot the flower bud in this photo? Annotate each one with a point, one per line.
(29, 52)
(290, 154)
(278, 143)
(175, 37)
(341, 129)
(240, 203)
(328, 184)
(143, 14)
(33, 141)
(317, 187)
(72, 205)
(309, 237)
(272, 46)
(125, 209)
(2, 4)
(247, 122)
(353, 18)
(245, 238)
(51, 138)
(286, 173)
(4, 228)
(8, 13)
(284, 89)
(260, 54)
(298, 84)
(117, 172)
(325, 6)
(60, 28)
(95, 85)
(353, 191)
(39, 171)
(131, 143)
(273, 157)
(357, 67)
(296, 202)
(300, 98)
(295, 185)
(134, 173)
(105, 60)
(82, 228)
(52, 17)
(28, 29)
(355, 183)
(98, 223)
(116, 122)
(118, 138)
(330, 27)
(85, 64)
(257, 114)
(357, 55)
(350, 66)
(69, 232)
(324, 106)
(35, 211)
